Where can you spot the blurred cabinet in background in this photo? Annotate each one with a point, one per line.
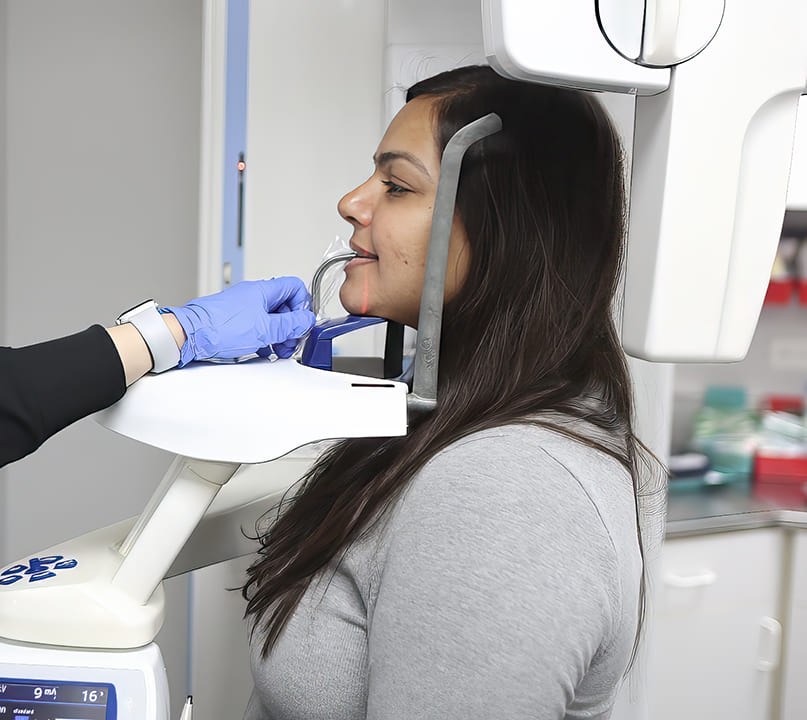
(716, 644)
(729, 622)
(794, 687)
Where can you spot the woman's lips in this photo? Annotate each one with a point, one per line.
(361, 260)
(362, 257)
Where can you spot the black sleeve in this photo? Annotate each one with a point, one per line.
(46, 387)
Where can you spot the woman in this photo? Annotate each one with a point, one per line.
(488, 564)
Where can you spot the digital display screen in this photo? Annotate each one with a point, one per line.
(48, 700)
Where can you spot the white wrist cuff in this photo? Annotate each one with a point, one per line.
(161, 343)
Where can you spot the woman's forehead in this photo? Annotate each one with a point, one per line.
(412, 132)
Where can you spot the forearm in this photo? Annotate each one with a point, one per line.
(45, 387)
(134, 352)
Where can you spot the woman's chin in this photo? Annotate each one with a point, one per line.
(352, 305)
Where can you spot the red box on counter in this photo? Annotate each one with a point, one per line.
(783, 403)
(780, 292)
(781, 475)
(802, 283)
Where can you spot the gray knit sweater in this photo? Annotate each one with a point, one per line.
(504, 584)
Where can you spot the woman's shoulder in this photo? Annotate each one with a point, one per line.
(530, 458)
(504, 478)
(565, 439)
(525, 505)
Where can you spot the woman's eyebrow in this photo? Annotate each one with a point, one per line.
(386, 158)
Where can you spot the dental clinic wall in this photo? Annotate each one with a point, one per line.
(100, 183)
(313, 121)
(3, 263)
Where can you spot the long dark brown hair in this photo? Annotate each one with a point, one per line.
(529, 338)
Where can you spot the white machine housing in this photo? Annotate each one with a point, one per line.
(712, 145)
(104, 590)
(138, 676)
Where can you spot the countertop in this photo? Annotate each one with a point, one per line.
(725, 508)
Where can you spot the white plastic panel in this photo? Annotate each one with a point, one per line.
(675, 30)
(560, 43)
(72, 602)
(622, 22)
(710, 167)
(711, 156)
(797, 185)
(254, 411)
(241, 504)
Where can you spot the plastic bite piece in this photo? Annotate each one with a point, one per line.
(318, 350)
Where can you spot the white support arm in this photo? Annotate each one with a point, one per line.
(162, 530)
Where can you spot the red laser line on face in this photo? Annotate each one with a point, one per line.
(365, 301)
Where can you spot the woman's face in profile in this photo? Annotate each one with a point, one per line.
(391, 215)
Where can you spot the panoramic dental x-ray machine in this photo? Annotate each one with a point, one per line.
(717, 87)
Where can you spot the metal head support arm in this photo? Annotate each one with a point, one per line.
(427, 354)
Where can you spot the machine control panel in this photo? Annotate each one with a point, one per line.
(47, 682)
(43, 699)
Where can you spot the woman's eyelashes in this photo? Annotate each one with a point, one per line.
(393, 188)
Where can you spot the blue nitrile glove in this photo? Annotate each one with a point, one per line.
(262, 316)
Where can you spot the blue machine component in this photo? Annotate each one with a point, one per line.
(318, 350)
(235, 131)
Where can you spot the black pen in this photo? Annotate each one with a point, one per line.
(187, 709)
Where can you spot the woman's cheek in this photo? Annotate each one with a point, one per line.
(364, 300)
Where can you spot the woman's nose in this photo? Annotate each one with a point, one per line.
(356, 206)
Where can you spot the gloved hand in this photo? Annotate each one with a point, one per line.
(262, 316)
